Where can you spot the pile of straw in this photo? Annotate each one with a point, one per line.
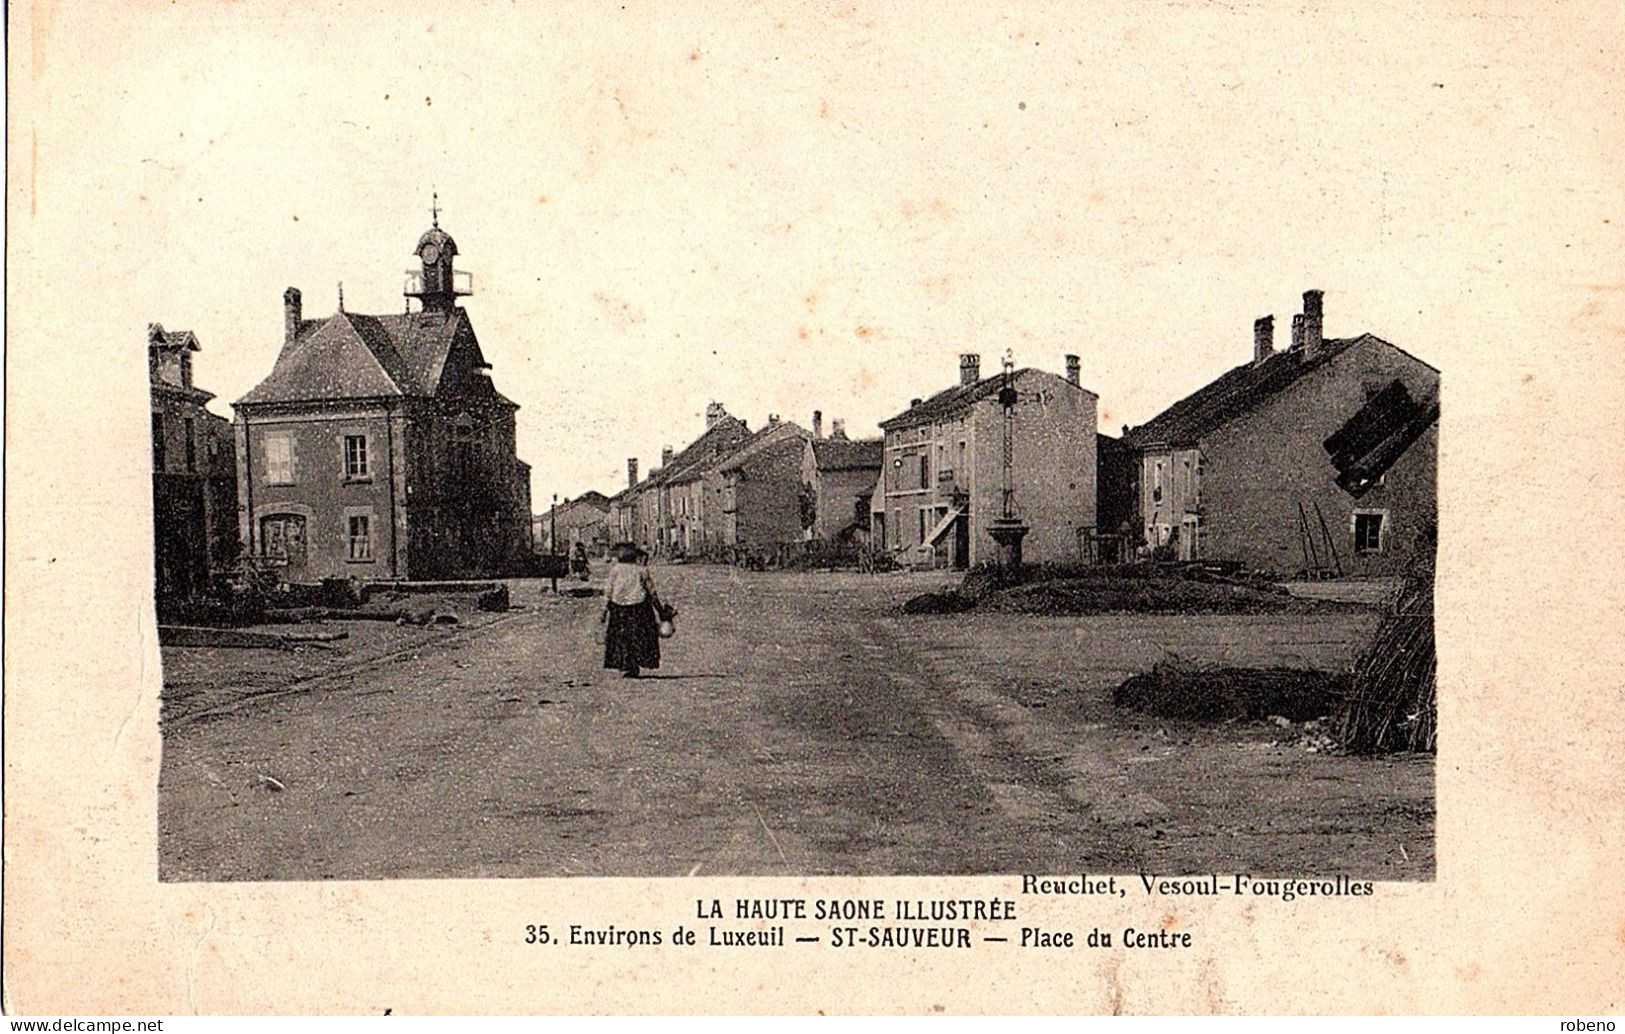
(1392, 706)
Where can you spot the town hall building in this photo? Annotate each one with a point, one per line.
(378, 447)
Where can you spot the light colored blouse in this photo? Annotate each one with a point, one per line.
(628, 585)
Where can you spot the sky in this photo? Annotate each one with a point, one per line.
(800, 206)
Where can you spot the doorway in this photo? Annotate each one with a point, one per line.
(283, 544)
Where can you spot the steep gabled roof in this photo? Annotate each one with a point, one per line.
(948, 401)
(718, 441)
(177, 339)
(333, 360)
(350, 355)
(770, 435)
(848, 454)
(1235, 393)
(959, 397)
(382, 346)
(424, 341)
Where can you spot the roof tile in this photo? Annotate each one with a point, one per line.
(1231, 395)
(351, 355)
(848, 454)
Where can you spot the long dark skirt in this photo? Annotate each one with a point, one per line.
(632, 640)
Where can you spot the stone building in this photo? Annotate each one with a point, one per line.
(378, 447)
(579, 520)
(194, 475)
(1117, 479)
(690, 486)
(1321, 458)
(666, 512)
(621, 520)
(734, 492)
(838, 477)
(761, 492)
(941, 483)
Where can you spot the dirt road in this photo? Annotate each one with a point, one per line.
(799, 725)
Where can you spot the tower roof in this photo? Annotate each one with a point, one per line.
(439, 238)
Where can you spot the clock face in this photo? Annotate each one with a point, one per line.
(431, 254)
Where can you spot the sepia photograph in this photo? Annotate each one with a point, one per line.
(981, 635)
(965, 485)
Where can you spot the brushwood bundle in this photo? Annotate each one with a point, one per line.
(1393, 704)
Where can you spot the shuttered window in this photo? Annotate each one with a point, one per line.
(278, 459)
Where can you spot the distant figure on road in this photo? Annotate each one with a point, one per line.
(578, 561)
(632, 638)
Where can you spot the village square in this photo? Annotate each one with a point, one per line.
(988, 635)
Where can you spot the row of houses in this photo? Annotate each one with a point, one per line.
(740, 495)
(378, 447)
(1319, 459)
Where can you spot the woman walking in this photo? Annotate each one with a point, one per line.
(632, 635)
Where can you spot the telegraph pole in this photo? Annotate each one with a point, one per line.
(553, 539)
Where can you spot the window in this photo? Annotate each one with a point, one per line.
(924, 524)
(355, 456)
(1368, 532)
(1156, 485)
(925, 470)
(158, 441)
(279, 460)
(191, 445)
(360, 538)
(186, 368)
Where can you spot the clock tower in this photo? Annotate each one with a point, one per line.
(435, 285)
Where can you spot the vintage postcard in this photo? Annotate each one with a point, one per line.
(813, 507)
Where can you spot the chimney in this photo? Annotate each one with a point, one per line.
(914, 402)
(818, 423)
(292, 312)
(713, 413)
(665, 456)
(837, 430)
(772, 420)
(1073, 374)
(1263, 338)
(1312, 336)
(631, 472)
(970, 368)
(1297, 332)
